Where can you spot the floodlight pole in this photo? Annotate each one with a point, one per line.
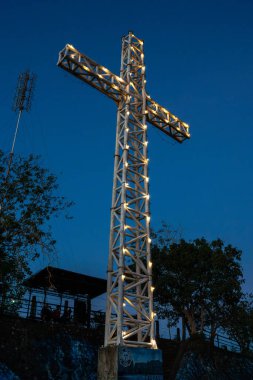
(129, 310)
(13, 144)
(22, 101)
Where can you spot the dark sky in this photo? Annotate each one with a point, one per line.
(199, 65)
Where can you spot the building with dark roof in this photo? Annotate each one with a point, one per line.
(63, 294)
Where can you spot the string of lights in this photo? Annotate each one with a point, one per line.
(129, 311)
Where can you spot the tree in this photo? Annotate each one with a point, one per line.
(28, 199)
(198, 281)
(240, 325)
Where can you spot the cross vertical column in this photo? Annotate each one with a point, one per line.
(129, 312)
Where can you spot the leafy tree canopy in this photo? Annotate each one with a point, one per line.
(240, 325)
(198, 281)
(28, 199)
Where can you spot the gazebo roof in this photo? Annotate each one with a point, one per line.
(65, 281)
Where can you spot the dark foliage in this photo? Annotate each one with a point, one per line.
(28, 199)
(199, 281)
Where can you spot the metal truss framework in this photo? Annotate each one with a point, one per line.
(129, 312)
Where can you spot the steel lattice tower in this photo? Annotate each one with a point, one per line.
(129, 311)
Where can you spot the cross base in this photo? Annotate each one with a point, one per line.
(129, 363)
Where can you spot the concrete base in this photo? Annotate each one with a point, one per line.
(108, 363)
(129, 363)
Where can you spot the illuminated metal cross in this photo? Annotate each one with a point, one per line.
(129, 312)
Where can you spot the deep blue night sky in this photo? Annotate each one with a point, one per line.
(199, 65)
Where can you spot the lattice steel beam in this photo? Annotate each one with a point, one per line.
(99, 77)
(129, 312)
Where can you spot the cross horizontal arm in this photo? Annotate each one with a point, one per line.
(91, 72)
(98, 76)
(164, 120)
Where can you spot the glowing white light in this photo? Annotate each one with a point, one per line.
(86, 68)
(153, 315)
(105, 69)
